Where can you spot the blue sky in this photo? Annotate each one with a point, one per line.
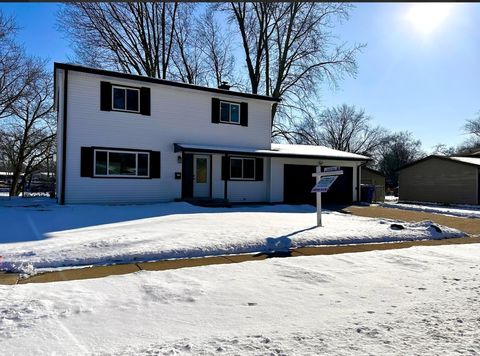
(408, 80)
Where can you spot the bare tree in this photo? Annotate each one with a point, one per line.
(472, 127)
(254, 23)
(342, 128)
(472, 144)
(302, 55)
(27, 137)
(400, 149)
(216, 47)
(133, 37)
(188, 64)
(288, 49)
(16, 69)
(444, 150)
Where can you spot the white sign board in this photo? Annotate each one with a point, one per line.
(324, 184)
(325, 180)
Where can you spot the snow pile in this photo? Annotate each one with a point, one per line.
(463, 211)
(53, 236)
(391, 198)
(417, 301)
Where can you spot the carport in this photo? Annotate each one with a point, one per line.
(298, 182)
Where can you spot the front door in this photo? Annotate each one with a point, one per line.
(201, 176)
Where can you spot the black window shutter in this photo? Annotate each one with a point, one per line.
(215, 110)
(225, 168)
(86, 162)
(154, 164)
(105, 96)
(244, 114)
(258, 168)
(187, 175)
(145, 101)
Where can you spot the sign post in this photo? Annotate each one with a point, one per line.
(325, 180)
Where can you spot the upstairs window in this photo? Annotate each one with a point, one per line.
(229, 112)
(125, 99)
(122, 98)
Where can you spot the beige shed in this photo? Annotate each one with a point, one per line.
(440, 179)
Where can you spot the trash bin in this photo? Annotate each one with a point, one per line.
(367, 191)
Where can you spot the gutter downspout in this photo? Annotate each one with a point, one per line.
(64, 135)
(225, 187)
(359, 169)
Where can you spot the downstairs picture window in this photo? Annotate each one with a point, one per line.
(242, 168)
(121, 164)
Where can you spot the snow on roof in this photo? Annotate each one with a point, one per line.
(280, 150)
(311, 150)
(470, 160)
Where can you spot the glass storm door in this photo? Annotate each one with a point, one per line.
(201, 176)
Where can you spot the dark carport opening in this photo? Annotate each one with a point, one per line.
(298, 182)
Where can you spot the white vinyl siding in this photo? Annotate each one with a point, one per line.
(177, 115)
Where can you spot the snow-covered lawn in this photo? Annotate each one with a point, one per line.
(417, 301)
(464, 211)
(54, 236)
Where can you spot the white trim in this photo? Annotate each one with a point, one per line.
(230, 112)
(243, 159)
(125, 88)
(136, 153)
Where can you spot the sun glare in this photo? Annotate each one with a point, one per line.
(427, 17)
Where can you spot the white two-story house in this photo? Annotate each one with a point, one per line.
(126, 138)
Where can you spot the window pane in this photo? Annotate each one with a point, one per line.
(201, 170)
(132, 100)
(143, 164)
(234, 114)
(224, 112)
(248, 168)
(235, 168)
(100, 162)
(119, 98)
(121, 163)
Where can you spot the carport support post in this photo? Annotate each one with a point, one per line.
(319, 199)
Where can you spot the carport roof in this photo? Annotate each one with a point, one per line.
(277, 150)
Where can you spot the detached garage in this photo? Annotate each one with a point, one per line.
(440, 179)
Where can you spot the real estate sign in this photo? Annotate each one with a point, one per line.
(324, 184)
(325, 181)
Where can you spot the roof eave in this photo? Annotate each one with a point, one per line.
(445, 158)
(109, 73)
(179, 148)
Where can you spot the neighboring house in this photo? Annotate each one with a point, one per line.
(126, 138)
(440, 179)
(377, 179)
